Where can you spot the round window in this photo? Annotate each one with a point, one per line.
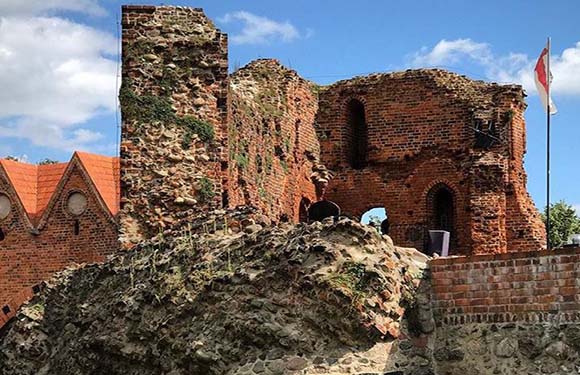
(5, 206)
(76, 204)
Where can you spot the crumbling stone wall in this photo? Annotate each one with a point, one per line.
(187, 147)
(427, 129)
(174, 107)
(30, 255)
(273, 147)
(195, 139)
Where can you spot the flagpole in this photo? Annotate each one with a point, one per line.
(548, 223)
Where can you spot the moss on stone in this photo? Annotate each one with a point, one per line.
(151, 108)
(192, 125)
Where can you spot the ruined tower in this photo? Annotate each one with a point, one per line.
(174, 108)
(437, 151)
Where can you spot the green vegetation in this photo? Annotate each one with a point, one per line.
(242, 160)
(268, 161)
(145, 108)
(151, 108)
(47, 162)
(284, 165)
(206, 191)
(564, 222)
(192, 125)
(353, 280)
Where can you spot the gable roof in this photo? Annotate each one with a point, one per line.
(36, 184)
(104, 171)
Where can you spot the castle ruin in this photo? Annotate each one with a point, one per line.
(435, 149)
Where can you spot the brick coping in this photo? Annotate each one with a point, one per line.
(504, 256)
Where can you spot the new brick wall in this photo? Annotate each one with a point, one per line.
(525, 286)
(29, 255)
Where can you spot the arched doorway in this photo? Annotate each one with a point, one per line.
(441, 211)
(378, 218)
(321, 210)
(357, 141)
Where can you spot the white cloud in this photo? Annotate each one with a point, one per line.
(260, 30)
(55, 75)
(35, 7)
(452, 51)
(510, 68)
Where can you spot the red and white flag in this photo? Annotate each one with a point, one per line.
(543, 79)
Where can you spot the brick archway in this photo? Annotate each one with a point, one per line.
(441, 209)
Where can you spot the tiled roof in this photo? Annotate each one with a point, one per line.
(24, 180)
(104, 172)
(49, 176)
(36, 184)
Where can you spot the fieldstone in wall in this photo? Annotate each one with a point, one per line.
(325, 298)
(173, 102)
(508, 348)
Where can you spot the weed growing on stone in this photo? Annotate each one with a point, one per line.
(206, 191)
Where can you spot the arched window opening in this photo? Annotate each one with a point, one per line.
(378, 218)
(303, 210)
(77, 228)
(358, 135)
(2, 235)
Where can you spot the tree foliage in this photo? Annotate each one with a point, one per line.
(564, 222)
(375, 221)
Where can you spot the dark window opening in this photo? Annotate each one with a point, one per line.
(2, 235)
(77, 228)
(303, 210)
(225, 199)
(6, 309)
(486, 134)
(443, 210)
(323, 209)
(222, 102)
(358, 137)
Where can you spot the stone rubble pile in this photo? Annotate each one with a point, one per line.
(293, 299)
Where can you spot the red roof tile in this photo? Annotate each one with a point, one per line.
(24, 179)
(36, 184)
(104, 172)
(48, 178)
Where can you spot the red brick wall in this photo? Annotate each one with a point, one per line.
(524, 286)
(26, 259)
(420, 135)
(272, 140)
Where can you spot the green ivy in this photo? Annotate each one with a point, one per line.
(192, 125)
(145, 108)
(150, 108)
(242, 160)
(206, 190)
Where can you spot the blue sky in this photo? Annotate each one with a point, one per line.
(60, 62)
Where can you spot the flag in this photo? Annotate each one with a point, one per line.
(541, 75)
